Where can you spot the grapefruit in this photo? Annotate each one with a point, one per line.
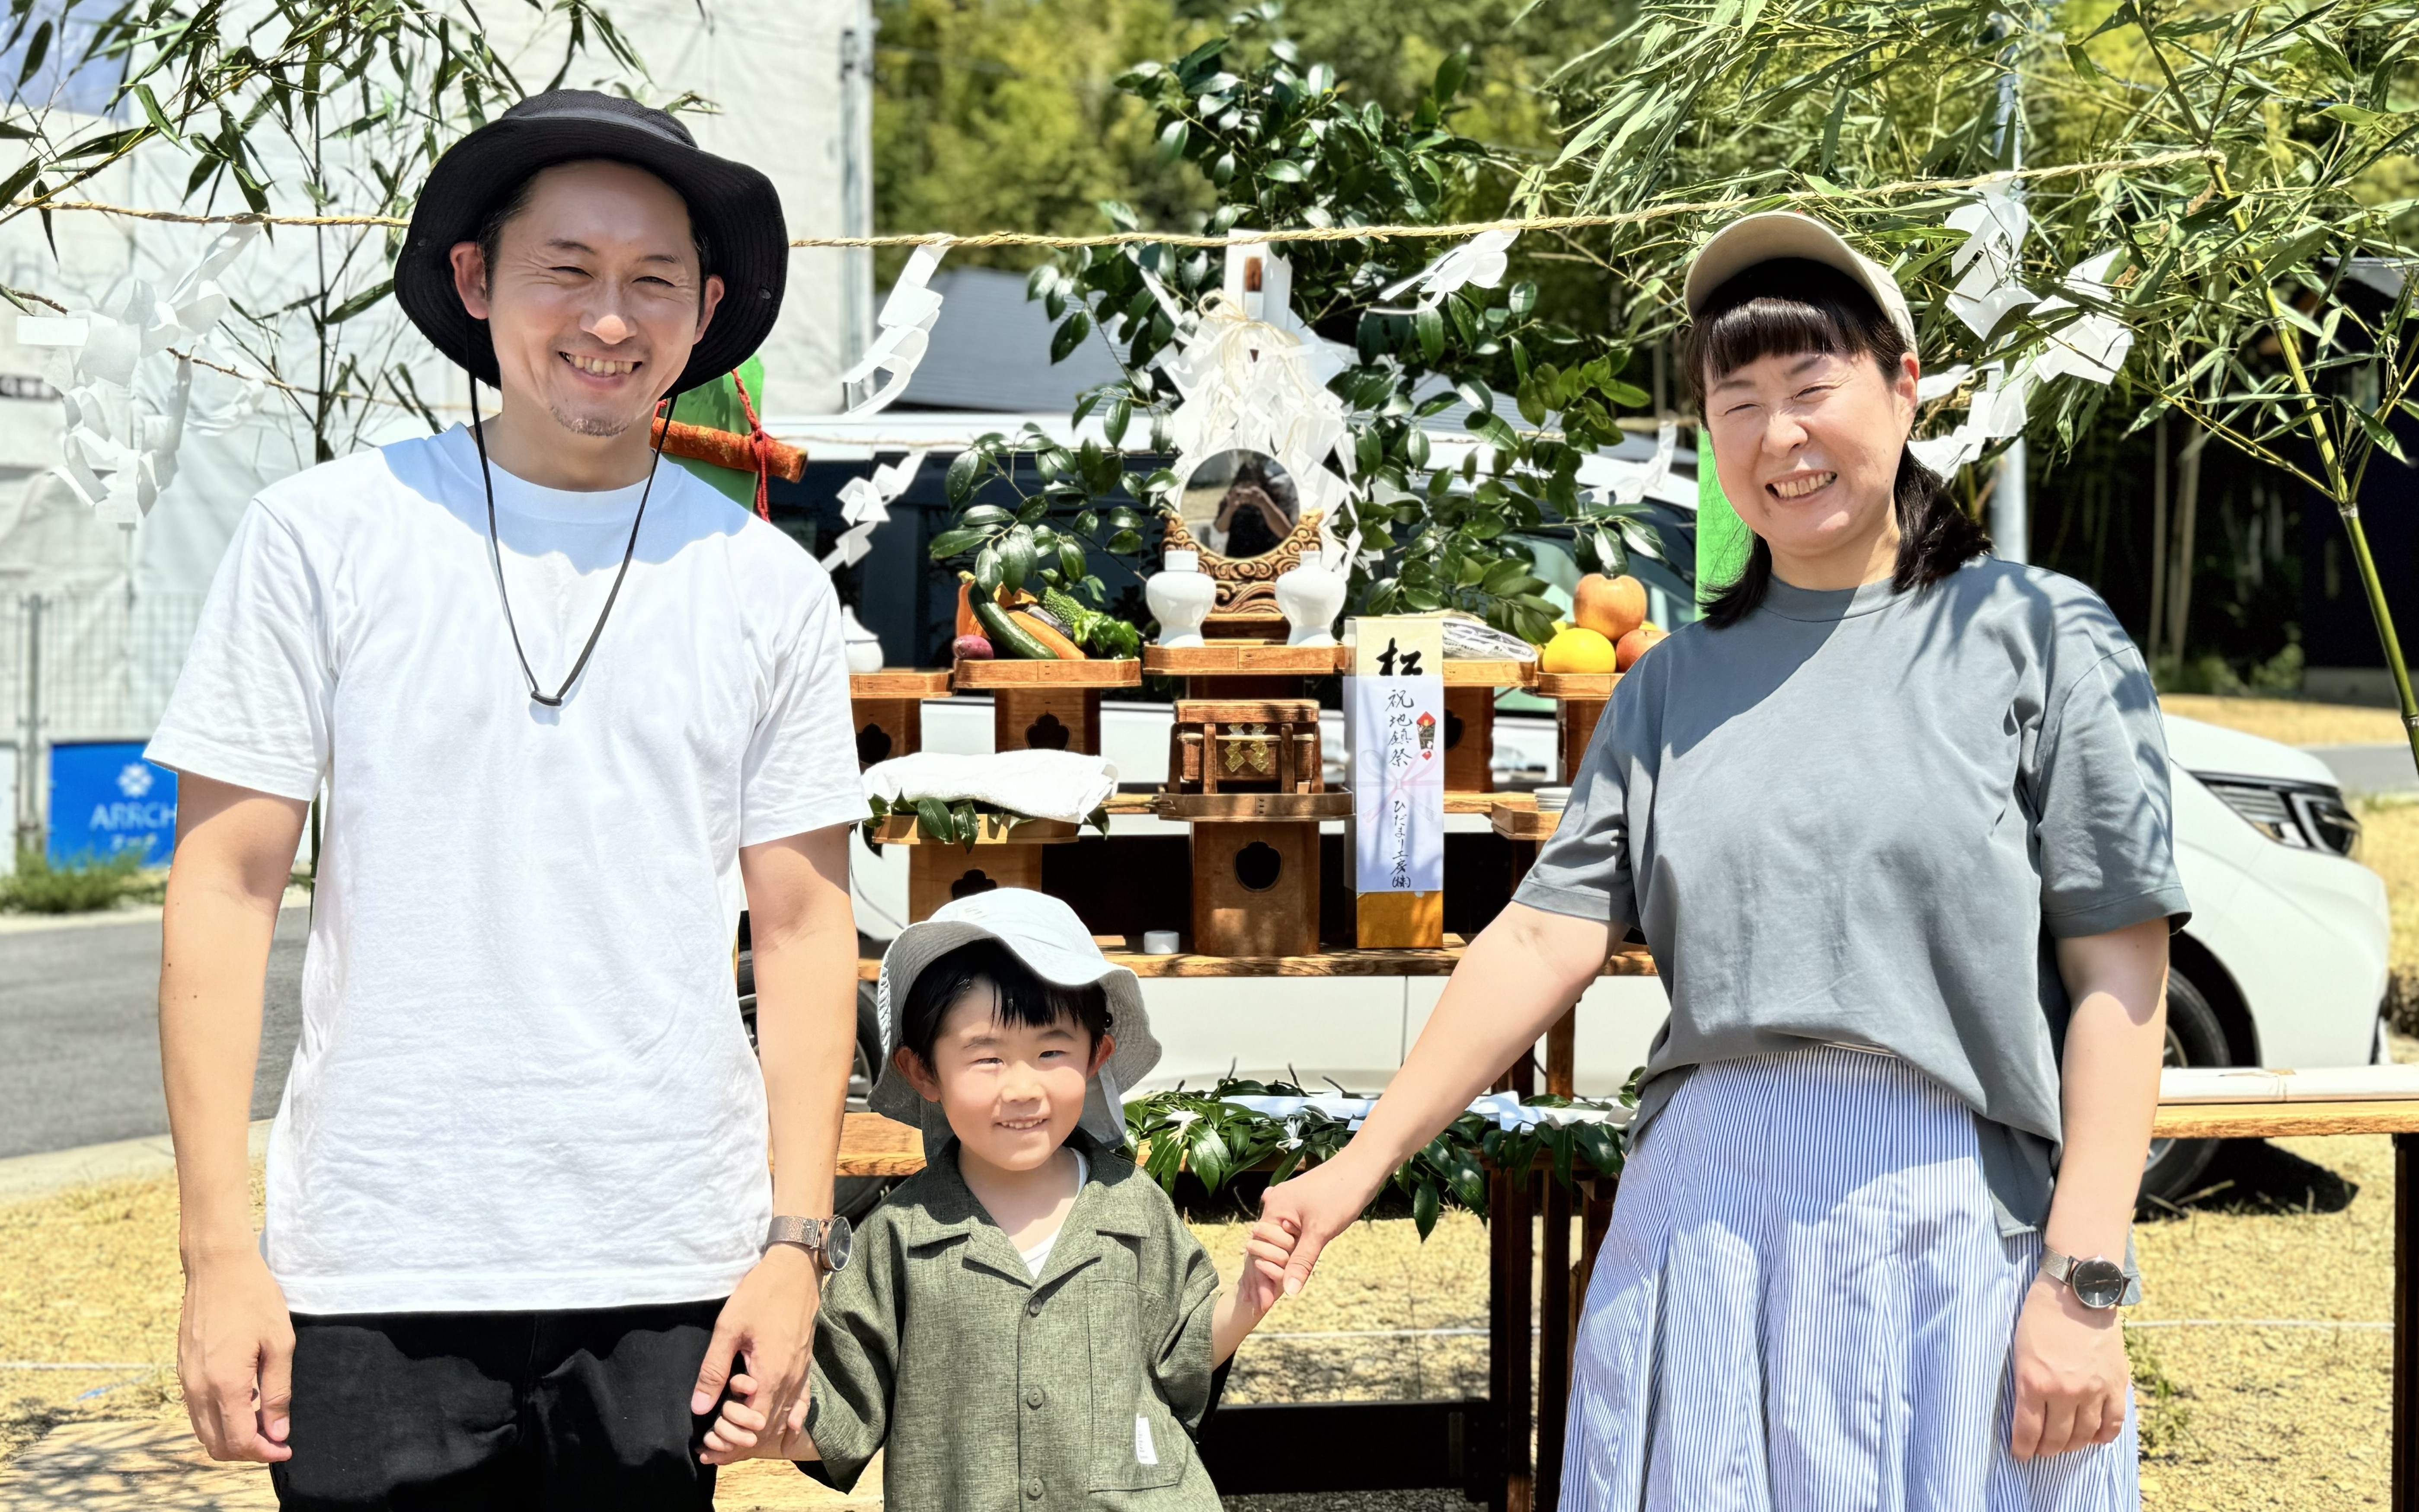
(1639, 643)
(1612, 607)
(1577, 650)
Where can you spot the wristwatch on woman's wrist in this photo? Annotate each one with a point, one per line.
(826, 1239)
(2096, 1282)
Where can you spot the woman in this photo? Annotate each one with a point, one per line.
(1894, 820)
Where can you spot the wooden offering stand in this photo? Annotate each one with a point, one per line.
(1579, 698)
(1003, 855)
(1469, 690)
(1240, 669)
(1046, 705)
(888, 708)
(1245, 773)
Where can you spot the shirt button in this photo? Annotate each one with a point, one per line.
(1034, 1398)
(1033, 1308)
(1033, 1488)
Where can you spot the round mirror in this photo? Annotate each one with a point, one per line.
(1241, 504)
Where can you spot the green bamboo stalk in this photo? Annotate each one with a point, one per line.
(2340, 488)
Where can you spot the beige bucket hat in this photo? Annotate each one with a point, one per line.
(1044, 933)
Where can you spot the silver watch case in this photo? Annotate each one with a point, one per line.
(2096, 1282)
(828, 1240)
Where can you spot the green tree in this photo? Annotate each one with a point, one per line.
(1000, 115)
(2263, 276)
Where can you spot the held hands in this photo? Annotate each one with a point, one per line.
(770, 1320)
(2070, 1375)
(235, 1357)
(1266, 1250)
(1314, 1207)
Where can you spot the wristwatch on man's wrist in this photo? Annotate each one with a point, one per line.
(826, 1239)
(2096, 1282)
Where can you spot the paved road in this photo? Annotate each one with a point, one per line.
(2385, 768)
(78, 1037)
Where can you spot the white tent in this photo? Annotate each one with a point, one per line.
(791, 88)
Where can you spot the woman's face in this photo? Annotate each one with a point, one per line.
(1808, 448)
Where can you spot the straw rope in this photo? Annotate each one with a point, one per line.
(1315, 233)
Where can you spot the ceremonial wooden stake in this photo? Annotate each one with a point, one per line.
(2405, 1490)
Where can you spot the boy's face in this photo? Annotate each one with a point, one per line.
(1011, 1092)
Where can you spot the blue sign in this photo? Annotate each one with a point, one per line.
(106, 798)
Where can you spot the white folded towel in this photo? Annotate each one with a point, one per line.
(1038, 784)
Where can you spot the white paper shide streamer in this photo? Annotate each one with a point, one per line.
(2092, 346)
(121, 448)
(906, 322)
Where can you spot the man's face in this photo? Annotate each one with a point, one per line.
(594, 302)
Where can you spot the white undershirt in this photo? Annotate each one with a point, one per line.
(1038, 1256)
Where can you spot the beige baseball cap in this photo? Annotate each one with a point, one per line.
(1770, 234)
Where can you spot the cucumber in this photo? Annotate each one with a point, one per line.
(1007, 635)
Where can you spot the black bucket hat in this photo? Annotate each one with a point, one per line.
(735, 209)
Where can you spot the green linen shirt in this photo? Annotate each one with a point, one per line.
(993, 1390)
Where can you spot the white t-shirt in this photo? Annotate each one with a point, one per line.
(1038, 1256)
(522, 1082)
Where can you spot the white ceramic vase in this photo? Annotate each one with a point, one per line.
(1311, 596)
(1181, 596)
(859, 647)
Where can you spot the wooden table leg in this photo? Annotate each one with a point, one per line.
(1557, 1312)
(2405, 1496)
(1553, 1342)
(1510, 1254)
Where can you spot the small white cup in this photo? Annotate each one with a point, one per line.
(1160, 942)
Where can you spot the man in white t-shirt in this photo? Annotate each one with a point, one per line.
(569, 710)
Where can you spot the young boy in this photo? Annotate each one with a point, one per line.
(1025, 1323)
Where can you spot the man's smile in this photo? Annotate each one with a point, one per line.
(598, 366)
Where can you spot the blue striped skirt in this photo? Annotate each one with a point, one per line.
(1804, 1304)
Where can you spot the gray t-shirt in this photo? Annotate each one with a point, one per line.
(1862, 816)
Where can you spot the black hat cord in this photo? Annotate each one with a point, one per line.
(495, 555)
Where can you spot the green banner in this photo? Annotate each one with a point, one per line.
(1721, 536)
(715, 406)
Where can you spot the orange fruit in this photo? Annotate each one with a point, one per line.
(1639, 643)
(1612, 607)
(1577, 650)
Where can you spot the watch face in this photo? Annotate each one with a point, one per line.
(838, 1238)
(2098, 1283)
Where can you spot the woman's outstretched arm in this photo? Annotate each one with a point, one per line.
(2071, 1373)
(1519, 975)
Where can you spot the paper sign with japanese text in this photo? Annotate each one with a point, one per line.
(1395, 720)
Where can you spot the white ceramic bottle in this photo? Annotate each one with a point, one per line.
(859, 647)
(1181, 596)
(1311, 596)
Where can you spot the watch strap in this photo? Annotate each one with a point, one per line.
(810, 1234)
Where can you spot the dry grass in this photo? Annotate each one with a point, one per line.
(2388, 845)
(2290, 720)
(2278, 1418)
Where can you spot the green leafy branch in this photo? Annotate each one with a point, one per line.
(1215, 1140)
(1044, 540)
(1283, 145)
(958, 822)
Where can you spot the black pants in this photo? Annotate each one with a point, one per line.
(472, 1411)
